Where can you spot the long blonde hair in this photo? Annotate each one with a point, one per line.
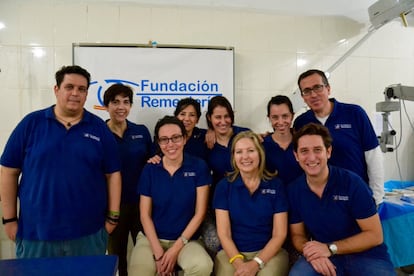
(264, 174)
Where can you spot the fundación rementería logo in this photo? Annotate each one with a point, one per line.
(159, 94)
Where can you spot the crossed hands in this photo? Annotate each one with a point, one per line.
(166, 264)
(248, 268)
(317, 254)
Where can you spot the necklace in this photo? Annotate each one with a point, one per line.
(68, 123)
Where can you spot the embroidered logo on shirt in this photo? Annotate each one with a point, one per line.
(340, 198)
(189, 174)
(138, 136)
(340, 126)
(269, 191)
(91, 136)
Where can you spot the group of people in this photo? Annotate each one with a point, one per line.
(225, 200)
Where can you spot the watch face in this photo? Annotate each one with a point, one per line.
(333, 248)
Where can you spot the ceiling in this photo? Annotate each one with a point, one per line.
(353, 9)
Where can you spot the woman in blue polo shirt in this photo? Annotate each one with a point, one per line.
(278, 146)
(173, 203)
(134, 147)
(279, 150)
(188, 111)
(251, 214)
(220, 119)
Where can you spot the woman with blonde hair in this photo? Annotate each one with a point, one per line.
(251, 214)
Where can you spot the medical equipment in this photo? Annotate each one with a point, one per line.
(391, 92)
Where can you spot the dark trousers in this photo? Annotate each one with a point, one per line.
(129, 222)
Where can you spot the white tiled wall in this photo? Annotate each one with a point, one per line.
(267, 47)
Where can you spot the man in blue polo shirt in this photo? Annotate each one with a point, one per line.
(62, 164)
(355, 144)
(333, 217)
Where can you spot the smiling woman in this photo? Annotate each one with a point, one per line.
(173, 203)
(134, 148)
(251, 236)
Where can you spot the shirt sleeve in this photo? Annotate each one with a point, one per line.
(375, 171)
(204, 174)
(112, 162)
(362, 203)
(14, 151)
(368, 136)
(281, 202)
(293, 201)
(220, 199)
(144, 184)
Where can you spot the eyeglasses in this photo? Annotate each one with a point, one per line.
(175, 139)
(316, 88)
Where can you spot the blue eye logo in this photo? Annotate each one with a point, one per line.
(100, 90)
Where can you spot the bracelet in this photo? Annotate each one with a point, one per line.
(232, 259)
(9, 220)
(112, 220)
(184, 240)
(113, 213)
(111, 223)
(159, 259)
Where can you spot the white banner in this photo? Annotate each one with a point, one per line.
(159, 77)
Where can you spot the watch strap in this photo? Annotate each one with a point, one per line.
(8, 220)
(184, 240)
(260, 262)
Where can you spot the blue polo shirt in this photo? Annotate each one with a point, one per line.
(280, 160)
(196, 144)
(352, 135)
(219, 158)
(63, 189)
(134, 149)
(173, 197)
(333, 217)
(251, 216)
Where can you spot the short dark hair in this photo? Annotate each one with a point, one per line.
(71, 69)
(115, 90)
(169, 120)
(278, 100)
(312, 129)
(218, 101)
(311, 72)
(183, 103)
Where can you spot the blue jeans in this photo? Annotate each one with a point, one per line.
(347, 265)
(94, 244)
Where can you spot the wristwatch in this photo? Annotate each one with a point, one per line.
(8, 220)
(332, 248)
(260, 262)
(184, 240)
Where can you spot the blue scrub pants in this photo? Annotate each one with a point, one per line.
(347, 265)
(94, 244)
